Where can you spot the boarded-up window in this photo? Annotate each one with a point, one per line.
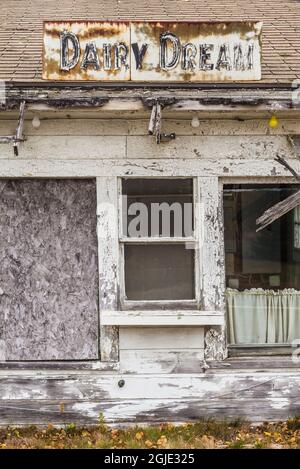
(48, 270)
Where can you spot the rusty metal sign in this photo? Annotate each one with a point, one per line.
(161, 51)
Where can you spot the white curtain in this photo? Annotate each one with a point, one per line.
(259, 316)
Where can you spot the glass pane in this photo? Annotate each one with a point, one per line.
(262, 269)
(159, 272)
(158, 207)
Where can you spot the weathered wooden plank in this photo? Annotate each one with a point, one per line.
(132, 338)
(192, 384)
(7, 139)
(161, 361)
(258, 363)
(108, 255)
(210, 244)
(70, 147)
(162, 318)
(60, 365)
(240, 106)
(214, 147)
(19, 129)
(140, 411)
(278, 210)
(73, 127)
(144, 147)
(218, 127)
(189, 167)
(139, 111)
(60, 126)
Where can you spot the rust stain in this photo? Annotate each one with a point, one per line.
(87, 29)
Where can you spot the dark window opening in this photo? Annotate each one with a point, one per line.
(262, 269)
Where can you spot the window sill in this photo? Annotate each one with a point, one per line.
(260, 350)
(60, 365)
(162, 318)
(245, 364)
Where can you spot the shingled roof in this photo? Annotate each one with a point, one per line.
(21, 28)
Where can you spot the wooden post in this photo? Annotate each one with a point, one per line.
(212, 268)
(108, 255)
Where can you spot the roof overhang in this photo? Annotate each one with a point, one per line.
(213, 98)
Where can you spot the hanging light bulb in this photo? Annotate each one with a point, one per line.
(36, 122)
(273, 122)
(195, 122)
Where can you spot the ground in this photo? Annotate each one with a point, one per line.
(204, 434)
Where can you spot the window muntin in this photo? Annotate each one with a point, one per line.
(158, 239)
(262, 269)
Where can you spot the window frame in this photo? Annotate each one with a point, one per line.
(184, 304)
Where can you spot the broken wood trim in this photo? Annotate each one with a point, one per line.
(18, 137)
(19, 129)
(7, 139)
(278, 210)
(162, 318)
(78, 102)
(151, 127)
(284, 206)
(140, 97)
(57, 102)
(155, 124)
(163, 101)
(284, 163)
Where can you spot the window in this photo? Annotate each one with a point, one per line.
(262, 268)
(158, 240)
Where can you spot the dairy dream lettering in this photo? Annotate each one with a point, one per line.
(152, 51)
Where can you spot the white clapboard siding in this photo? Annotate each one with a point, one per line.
(69, 147)
(214, 147)
(161, 350)
(137, 338)
(120, 126)
(76, 386)
(76, 147)
(162, 361)
(17, 167)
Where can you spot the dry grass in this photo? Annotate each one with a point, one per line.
(203, 434)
